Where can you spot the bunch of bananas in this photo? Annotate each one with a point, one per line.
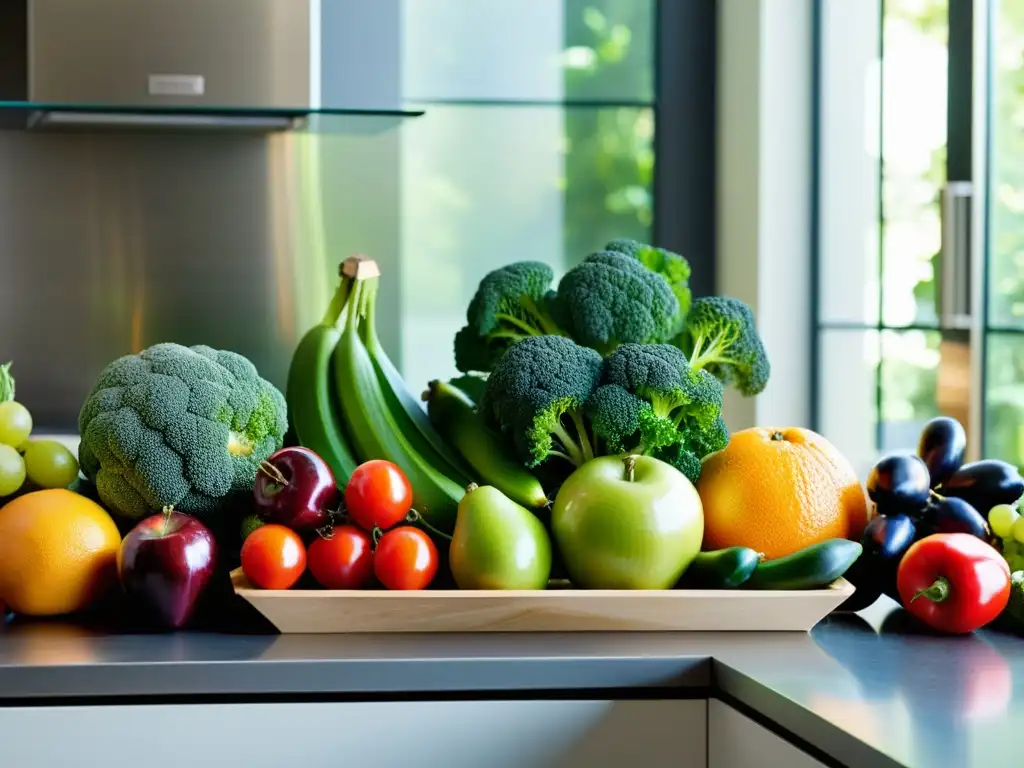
(348, 403)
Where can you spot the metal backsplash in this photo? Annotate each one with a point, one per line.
(110, 243)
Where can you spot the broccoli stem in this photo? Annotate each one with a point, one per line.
(714, 353)
(545, 323)
(529, 330)
(581, 428)
(573, 452)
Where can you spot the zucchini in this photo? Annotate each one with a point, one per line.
(812, 567)
(720, 569)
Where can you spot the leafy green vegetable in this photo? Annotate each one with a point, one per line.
(722, 338)
(612, 299)
(6, 383)
(535, 397)
(181, 426)
(510, 304)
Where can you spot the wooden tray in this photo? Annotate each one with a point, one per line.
(552, 610)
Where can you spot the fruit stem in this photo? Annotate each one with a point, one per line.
(933, 494)
(168, 510)
(937, 592)
(415, 517)
(273, 473)
(472, 487)
(777, 436)
(630, 466)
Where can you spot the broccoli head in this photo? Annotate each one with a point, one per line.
(611, 299)
(679, 416)
(510, 304)
(181, 426)
(660, 375)
(722, 339)
(673, 267)
(614, 415)
(535, 397)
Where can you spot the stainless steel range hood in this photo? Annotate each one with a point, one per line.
(256, 65)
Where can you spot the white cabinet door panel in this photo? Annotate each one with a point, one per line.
(460, 734)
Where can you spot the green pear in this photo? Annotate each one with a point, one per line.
(498, 544)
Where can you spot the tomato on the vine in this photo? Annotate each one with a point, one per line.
(273, 557)
(378, 495)
(405, 558)
(343, 559)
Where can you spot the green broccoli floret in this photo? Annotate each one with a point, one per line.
(614, 416)
(612, 299)
(723, 340)
(673, 267)
(679, 416)
(535, 397)
(681, 458)
(660, 375)
(181, 426)
(510, 304)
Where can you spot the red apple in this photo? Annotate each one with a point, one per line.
(296, 488)
(165, 562)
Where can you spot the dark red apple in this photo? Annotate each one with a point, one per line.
(296, 488)
(164, 563)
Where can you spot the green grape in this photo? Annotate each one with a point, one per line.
(12, 470)
(15, 423)
(50, 464)
(1001, 518)
(1018, 530)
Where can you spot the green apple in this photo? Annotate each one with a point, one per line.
(498, 544)
(627, 522)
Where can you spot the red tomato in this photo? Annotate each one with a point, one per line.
(273, 557)
(378, 495)
(405, 558)
(342, 561)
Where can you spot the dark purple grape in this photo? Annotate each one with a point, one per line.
(899, 483)
(985, 484)
(942, 446)
(954, 515)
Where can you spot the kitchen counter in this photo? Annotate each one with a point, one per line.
(859, 690)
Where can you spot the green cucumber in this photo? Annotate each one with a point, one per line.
(721, 569)
(812, 567)
(452, 414)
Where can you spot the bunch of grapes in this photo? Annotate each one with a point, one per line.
(1007, 523)
(30, 464)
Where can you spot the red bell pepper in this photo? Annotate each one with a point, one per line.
(954, 582)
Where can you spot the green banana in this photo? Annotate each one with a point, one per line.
(451, 412)
(406, 410)
(312, 408)
(371, 425)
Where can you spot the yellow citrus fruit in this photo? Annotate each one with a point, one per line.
(778, 490)
(58, 553)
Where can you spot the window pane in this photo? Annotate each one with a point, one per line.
(1004, 400)
(485, 186)
(847, 402)
(914, 95)
(849, 162)
(537, 50)
(1006, 192)
(910, 366)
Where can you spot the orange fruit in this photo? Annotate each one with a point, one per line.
(58, 553)
(778, 490)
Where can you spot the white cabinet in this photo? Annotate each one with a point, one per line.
(736, 741)
(454, 734)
